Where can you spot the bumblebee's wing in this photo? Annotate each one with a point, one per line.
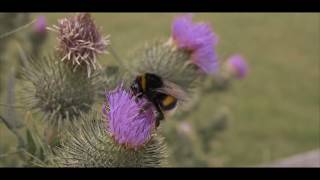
(173, 90)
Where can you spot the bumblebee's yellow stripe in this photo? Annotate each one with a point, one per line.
(143, 83)
(168, 100)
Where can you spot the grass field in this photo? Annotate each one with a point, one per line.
(275, 110)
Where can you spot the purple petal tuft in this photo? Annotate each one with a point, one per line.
(199, 39)
(126, 122)
(206, 59)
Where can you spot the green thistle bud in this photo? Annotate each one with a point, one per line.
(165, 61)
(52, 88)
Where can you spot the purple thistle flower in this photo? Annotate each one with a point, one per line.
(40, 25)
(199, 39)
(127, 123)
(238, 66)
(80, 41)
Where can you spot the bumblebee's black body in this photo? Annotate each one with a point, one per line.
(147, 85)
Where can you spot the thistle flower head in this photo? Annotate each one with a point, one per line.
(198, 39)
(40, 25)
(88, 144)
(238, 66)
(80, 41)
(130, 121)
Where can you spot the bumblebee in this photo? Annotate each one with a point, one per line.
(164, 95)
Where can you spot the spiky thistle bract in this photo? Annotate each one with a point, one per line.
(51, 87)
(89, 144)
(159, 58)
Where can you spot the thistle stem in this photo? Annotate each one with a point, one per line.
(6, 105)
(115, 55)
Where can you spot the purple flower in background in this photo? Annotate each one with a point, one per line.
(40, 25)
(238, 66)
(199, 39)
(130, 122)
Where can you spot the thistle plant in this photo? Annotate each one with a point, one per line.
(62, 85)
(67, 86)
(121, 135)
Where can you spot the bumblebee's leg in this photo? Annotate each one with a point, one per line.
(157, 123)
(138, 96)
(146, 106)
(159, 116)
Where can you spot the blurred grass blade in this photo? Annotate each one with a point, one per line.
(10, 101)
(6, 122)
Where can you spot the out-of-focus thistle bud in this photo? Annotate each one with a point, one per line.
(40, 25)
(237, 66)
(52, 88)
(39, 34)
(122, 135)
(80, 41)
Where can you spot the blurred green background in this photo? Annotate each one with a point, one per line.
(274, 111)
